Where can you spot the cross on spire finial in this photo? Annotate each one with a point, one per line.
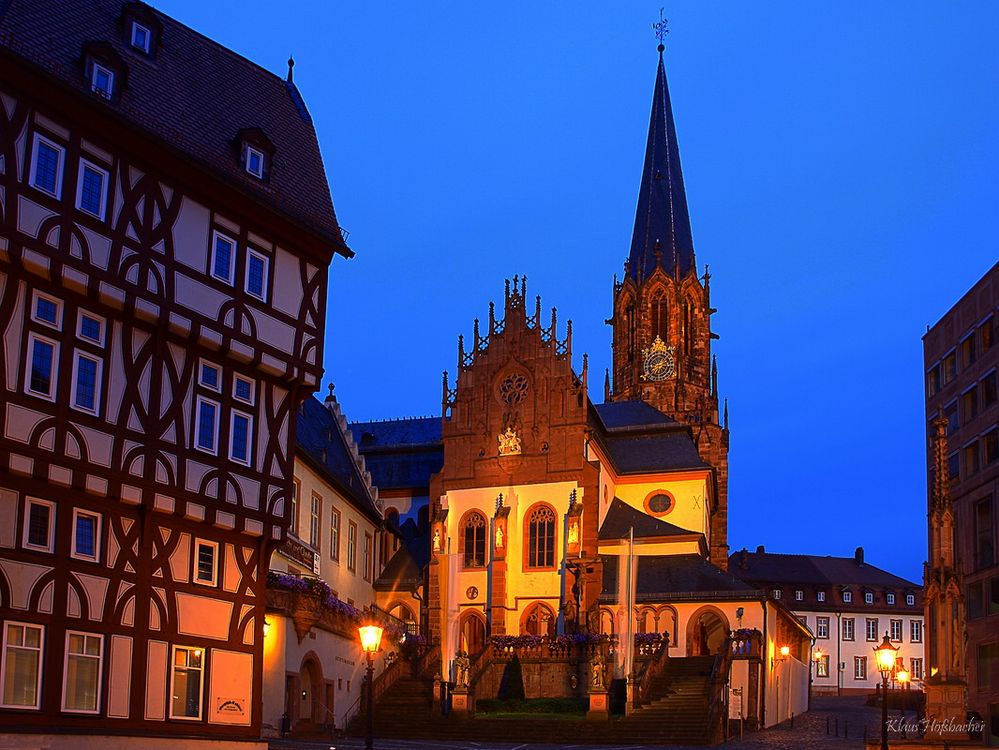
(661, 30)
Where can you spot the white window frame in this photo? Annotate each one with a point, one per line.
(201, 681)
(35, 296)
(777, 593)
(216, 236)
(98, 391)
(28, 502)
(821, 622)
(214, 450)
(872, 638)
(858, 662)
(251, 253)
(3, 664)
(195, 574)
(820, 596)
(910, 600)
(74, 553)
(891, 630)
(132, 40)
(250, 150)
(203, 363)
(248, 461)
(916, 667)
(106, 178)
(848, 597)
(54, 380)
(799, 595)
(889, 598)
(868, 597)
(60, 165)
(96, 67)
(915, 625)
(65, 671)
(849, 623)
(235, 394)
(102, 322)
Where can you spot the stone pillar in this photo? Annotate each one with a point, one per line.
(500, 542)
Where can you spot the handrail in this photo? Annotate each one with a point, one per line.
(423, 661)
(716, 691)
(480, 663)
(654, 668)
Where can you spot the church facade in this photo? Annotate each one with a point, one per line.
(554, 519)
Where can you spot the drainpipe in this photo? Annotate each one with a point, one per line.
(766, 667)
(839, 653)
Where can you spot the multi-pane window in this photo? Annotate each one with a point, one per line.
(984, 534)
(46, 166)
(910, 599)
(82, 678)
(971, 464)
(254, 161)
(991, 446)
(92, 189)
(90, 328)
(39, 525)
(821, 627)
(102, 80)
(296, 492)
(847, 597)
(872, 628)
(86, 382)
(242, 389)
(868, 597)
(206, 562)
(969, 404)
(21, 665)
(916, 668)
(987, 333)
(933, 380)
(315, 517)
(860, 667)
(41, 375)
(889, 598)
(256, 275)
(240, 437)
(916, 631)
(822, 666)
(207, 425)
(968, 351)
(988, 388)
(367, 556)
(223, 257)
(776, 593)
(820, 596)
(949, 367)
(848, 629)
(186, 683)
(473, 537)
(799, 595)
(351, 546)
(46, 310)
(334, 534)
(209, 376)
(895, 630)
(541, 538)
(86, 535)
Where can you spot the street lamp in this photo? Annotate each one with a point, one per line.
(371, 638)
(885, 655)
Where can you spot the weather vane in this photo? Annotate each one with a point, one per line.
(660, 28)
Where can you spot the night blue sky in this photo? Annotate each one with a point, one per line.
(840, 161)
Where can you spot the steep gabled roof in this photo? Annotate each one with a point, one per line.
(770, 567)
(662, 224)
(323, 443)
(621, 519)
(193, 95)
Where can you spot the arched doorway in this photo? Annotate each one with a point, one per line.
(472, 632)
(401, 612)
(707, 630)
(312, 687)
(538, 619)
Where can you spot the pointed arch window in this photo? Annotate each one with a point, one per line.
(687, 336)
(473, 540)
(541, 537)
(629, 320)
(539, 619)
(659, 315)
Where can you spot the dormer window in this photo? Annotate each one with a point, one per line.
(847, 596)
(102, 80)
(140, 37)
(255, 162)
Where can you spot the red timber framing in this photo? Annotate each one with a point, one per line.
(173, 578)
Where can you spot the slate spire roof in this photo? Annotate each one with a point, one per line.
(662, 224)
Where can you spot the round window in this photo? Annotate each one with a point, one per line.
(659, 504)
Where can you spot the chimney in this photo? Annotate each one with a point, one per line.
(858, 556)
(744, 559)
(760, 550)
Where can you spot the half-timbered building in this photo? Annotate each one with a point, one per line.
(165, 233)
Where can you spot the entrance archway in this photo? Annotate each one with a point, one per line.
(311, 696)
(707, 630)
(472, 632)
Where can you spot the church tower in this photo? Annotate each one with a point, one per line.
(662, 313)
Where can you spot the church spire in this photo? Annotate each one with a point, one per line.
(661, 218)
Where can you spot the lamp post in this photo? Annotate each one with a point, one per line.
(903, 680)
(371, 638)
(885, 655)
(817, 659)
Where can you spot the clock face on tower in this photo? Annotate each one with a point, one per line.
(658, 361)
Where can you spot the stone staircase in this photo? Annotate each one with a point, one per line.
(677, 714)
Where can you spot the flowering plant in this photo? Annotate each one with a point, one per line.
(314, 587)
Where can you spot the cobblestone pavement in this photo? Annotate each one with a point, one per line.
(847, 715)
